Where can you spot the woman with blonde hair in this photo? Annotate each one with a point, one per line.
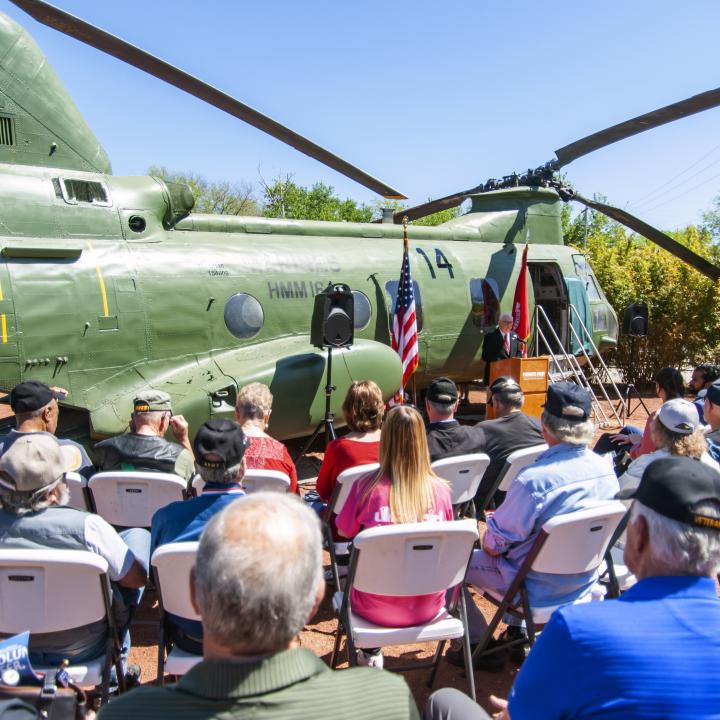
(252, 412)
(675, 430)
(363, 410)
(404, 490)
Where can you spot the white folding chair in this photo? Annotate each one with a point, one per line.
(515, 462)
(129, 499)
(255, 481)
(78, 487)
(171, 566)
(404, 560)
(50, 591)
(463, 473)
(567, 544)
(340, 493)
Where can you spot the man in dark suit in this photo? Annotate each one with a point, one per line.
(446, 436)
(500, 344)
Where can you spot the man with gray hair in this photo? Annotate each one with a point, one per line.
(257, 580)
(145, 446)
(33, 515)
(565, 478)
(511, 430)
(500, 344)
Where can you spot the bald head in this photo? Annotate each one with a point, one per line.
(258, 573)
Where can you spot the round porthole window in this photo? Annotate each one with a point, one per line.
(244, 316)
(362, 310)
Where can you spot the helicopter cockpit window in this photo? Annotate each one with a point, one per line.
(485, 300)
(391, 287)
(586, 274)
(362, 310)
(75, 191)
(244, 316)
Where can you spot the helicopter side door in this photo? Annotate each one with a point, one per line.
(9, 357)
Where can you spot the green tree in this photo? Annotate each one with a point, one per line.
(283, 198)
(684, 305)
(223, 197)
(711, 220)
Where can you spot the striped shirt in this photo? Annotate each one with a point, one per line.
(291, 684)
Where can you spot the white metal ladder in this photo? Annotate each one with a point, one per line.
(566, 366)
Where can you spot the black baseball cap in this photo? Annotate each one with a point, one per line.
(30, 395)
(222, 438)
(568, 401)
(674, 487)
(442, 390)
(504, 383)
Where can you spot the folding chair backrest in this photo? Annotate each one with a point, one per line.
(172, 564)
(463, 473)
(129, 499)
(413, 558)
(77, 485)
(47, 591)
(517, 461)
(576, 542)
(265, 481)
(345, 481)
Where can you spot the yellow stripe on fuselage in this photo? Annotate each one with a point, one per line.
(3, 326)
(101, 282)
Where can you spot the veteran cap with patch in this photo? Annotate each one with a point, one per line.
(675, 487)
(32, 462)
(442, 390)
(152, 401)
(568, 401)
(219, 444)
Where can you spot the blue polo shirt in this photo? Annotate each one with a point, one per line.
(652, 653)
(184, 521)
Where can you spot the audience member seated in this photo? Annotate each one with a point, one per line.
(446, 437)
(404, 490)
(703, 376)
(711, 413)
(669, 385)
(254, 600)
(37, 411)
(363, 410)
(565, 478)
(33, 494)
(655, 651)
(510, 430)
(145, 446)
(252, 411)
(219, 447)
(675, 430)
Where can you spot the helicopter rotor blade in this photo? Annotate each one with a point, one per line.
(433, 206)
(90, 35)
(648, 121)
(653, 234)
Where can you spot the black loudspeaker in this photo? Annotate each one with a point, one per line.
(333, 320)
(635, 320)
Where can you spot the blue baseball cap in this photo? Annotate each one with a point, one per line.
(568, 401)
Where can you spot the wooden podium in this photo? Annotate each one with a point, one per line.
(532, 376)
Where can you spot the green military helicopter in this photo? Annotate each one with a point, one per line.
(111, 284)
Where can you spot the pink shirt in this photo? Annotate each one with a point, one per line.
(375, 510)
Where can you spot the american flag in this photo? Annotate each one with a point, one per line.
(404, 329)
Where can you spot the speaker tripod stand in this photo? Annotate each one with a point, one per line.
(624, 406)
(326, 424)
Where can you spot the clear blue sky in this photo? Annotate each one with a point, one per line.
(431, 97)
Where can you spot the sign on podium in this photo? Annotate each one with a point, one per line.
(532, 376)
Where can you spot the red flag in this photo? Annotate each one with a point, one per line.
(521, 306)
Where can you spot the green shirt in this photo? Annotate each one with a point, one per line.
(292, 684)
